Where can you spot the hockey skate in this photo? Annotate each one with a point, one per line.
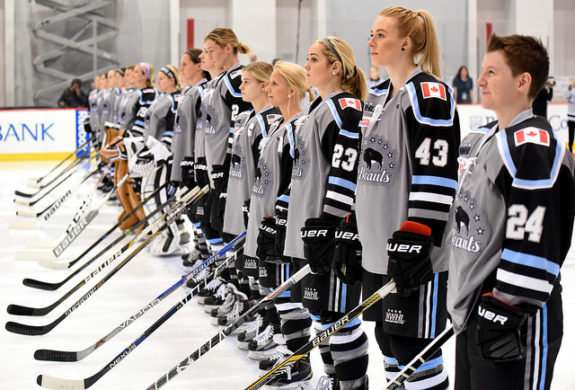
(262, 346)
(209, 290)
(252, 330)
(291, 377)
(214, 301)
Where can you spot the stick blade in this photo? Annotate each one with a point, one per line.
(23, 202)
(50, 263)
(40, 284)
(34, 255)
(26, 213)
(23, 224)
(52, 382)
(55, 356)
(27, 330)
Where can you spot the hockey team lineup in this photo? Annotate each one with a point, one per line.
(300, 213)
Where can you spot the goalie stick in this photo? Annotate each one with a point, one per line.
(222, 334)
(68, 171)
(381, 293)
(65, 356)
(31, 330)
(52, 382)
(421, 358)
(38, 180)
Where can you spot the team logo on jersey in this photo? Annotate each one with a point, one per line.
(433, 90)
(350, 102)
(237, 163)
(300, 159)
(271, 118)
(263, 179)
(470, 231)
(378, 161)
(531, 135)
(211, 120)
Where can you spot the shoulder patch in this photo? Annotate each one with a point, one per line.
(350, 102)
(433, 90)
(271, 118)
(531, 135)
(235, 73)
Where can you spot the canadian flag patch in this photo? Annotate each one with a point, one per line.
(350, 102)
(531, 135)
(433, 90)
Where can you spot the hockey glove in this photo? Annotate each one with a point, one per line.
(201, 173)
(187, 169)
(267, 239)
(408, 251)
(318, 237)
(219, 177)
(499, 329)
(347, 253)
(246, 212)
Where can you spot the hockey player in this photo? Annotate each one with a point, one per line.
(510, 229)
(221, 104)
(322, 188)
(407, 171)
(194, 78)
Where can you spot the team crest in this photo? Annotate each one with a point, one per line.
(263, 178)
(433, 90)
(378, 161)
(211, 120)
(471, 232)
(238, 163)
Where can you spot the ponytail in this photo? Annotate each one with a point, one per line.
(430, 53)
(225, 36)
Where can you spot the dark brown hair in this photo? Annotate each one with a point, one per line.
(523, 53)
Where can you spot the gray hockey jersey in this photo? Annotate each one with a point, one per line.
(273, 175)
(222, 104)
(160, 117)
(324, 166)
(202, 123)
(510, 226)
(185, 127)
(408, 165)
(250, 130)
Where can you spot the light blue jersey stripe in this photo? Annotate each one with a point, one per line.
(349, 134)
(338, 181)
(531, 261)
(545, 345)
(423, 119)
(334, 112)
(434, 305)
(231, 89)
(435, 180)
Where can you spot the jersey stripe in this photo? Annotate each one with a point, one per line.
(531, 261)
(436, 180)
(349, 134)
(431, 197)
(334, 113)
(524, 281)
(338, 181)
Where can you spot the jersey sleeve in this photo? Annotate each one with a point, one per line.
(168, 134)
(538, 190)
(433, 136)
(340, 144)
(146, 98)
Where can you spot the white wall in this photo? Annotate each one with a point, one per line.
(564, 45)
(207, 15)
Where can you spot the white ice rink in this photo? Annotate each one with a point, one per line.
(139, 282)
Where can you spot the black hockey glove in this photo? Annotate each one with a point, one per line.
(499, 330)
(281, 226)
(347, 253)
(267, 239)
(408, 251)
(318, 237)
(219, 177)
(201, 173)
(187, 169)
(246, 212)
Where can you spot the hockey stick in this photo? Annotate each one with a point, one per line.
(30, 330)
(69, 168)
(222, 334)
(31, 202)
(71, 384)
(421, 358)
(58, 265)
(381, 293)
(65, 356)
(39, 179)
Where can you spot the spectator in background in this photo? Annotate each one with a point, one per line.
(374, 78)
(545, 95)
(569, 95)
(463, 86)
(73, 97)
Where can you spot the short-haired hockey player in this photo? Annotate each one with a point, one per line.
(323, 181)
(407, 173)
(510, 229)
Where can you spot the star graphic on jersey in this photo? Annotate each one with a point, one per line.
(390, 155)
(391, 165)
(380, 141)
(472, 206)
(267, 173)
(476, 218)
(465, 198)
(385, 146)
(480, 231)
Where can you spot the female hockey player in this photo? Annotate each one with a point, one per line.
(194, 79)
(407, 171)
(510, 229)
(322, 187)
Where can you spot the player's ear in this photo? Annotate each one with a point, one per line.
(524, 82)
